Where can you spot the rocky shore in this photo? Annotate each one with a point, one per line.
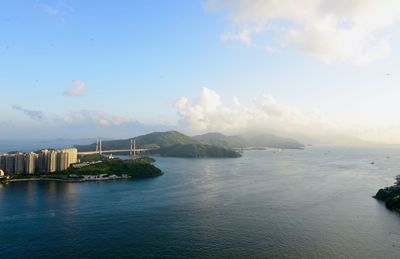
(390, 195)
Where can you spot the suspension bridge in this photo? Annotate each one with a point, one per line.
(132, 150)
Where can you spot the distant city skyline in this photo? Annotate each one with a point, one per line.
(314, 68)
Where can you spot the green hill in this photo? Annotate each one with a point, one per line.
(164, 139)
(161, 139)
(140, 168)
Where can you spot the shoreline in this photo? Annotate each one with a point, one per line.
(396, 210)
(61, 180)
(39, 179)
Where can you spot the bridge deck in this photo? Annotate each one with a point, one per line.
(115, 151)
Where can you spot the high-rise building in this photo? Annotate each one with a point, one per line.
(72, 155)
(51, 161)
(3, 162)
(47, 161)
(31, 162)
(42, 161)
(62, 160)
(66, 157)
(19, 160)
(10, 164)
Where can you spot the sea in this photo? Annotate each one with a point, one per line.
(312, 203)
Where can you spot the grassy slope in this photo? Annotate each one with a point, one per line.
(161, 139)
(134, 168)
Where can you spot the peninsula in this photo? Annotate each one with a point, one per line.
(390, 195)
(95, 168)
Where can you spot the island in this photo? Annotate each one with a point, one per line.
(167, 144)
(209, 145)
(390, 195)
(95, 168)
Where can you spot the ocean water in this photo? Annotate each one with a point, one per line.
(314, 203)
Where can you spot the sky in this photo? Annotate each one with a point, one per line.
(318, 69)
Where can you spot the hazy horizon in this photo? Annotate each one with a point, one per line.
(310, 70)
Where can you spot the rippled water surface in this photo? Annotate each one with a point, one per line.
(314, 203)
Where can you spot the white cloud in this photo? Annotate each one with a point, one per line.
(207, 113)
(208, 100)
(265, 114)
(77, 88)
(333, 31)
(96, 118)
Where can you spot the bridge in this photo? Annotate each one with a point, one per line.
(132, 150)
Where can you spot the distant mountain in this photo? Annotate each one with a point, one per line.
(265, 140)
(272, 141)
(218, 139)
(197, 151)
(164, 139)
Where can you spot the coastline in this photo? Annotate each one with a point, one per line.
(39, 179)
(115, 169)
(390, 196)
(62, 180)
(394, 209)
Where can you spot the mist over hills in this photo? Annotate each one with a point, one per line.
(263, 140)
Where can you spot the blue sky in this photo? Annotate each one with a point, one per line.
(129, 61)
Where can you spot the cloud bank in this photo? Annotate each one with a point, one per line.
(351, 31)
(77, 88)
(208, 113)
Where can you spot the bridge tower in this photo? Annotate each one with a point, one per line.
(100, 142)
(132, 151)
(131, 148)
(134, 148)
(97, 145)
